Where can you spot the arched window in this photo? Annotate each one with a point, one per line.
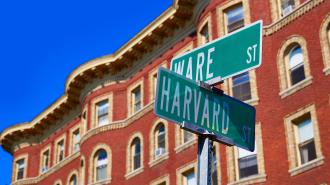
(73, 180)
(293, 66)
(325, 43)
(160, 140)
(100, 165)
(136, 153)
(296, 65)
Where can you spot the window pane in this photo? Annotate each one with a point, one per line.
(244, 153)
(307, 151)
(190, 178)
(137, 153)
(235, 18)
(205, 34)
(305, 130)
(187, 136)
(102, 112)
(101, 165)
(241, 86)
(73, 180)
(20, 169)
(248, 166)
(297, 74)
(161, 137)
(295, 57)
(287, 6)
(137, 98)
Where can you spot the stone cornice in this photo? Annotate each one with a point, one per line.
(162, 27)
(295, 14)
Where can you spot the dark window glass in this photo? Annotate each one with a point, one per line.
(241, 86)
(248, 166)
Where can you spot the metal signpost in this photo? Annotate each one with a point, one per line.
(223, 58)
(185, 94)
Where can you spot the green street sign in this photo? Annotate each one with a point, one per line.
(223, 58)
(182, 100)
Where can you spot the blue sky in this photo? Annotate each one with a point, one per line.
(42, 42)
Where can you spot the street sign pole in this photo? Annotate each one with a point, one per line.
(204, 157)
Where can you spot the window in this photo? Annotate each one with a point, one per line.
(306, 145)
(73, 180)
(293, 66)
(136, 95)
(20, 165)
(160, 140)
(60, 151)
(241, 86)
(325, 43)
(101, 164)
(303, 140)
(235, 18)
(45, 161)
(102, 112)
(245, 167)
(189, 178)
(136, 154)
(287, 6)
(76, 141)
(204, 34)
(247, 163)
(187, 136)
(296, 65)
(163, 180)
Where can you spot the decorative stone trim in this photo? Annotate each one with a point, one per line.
(92, 162)
(250, 180)
(291, 90)
(153, 139)
(129, 158)
(56, 157)
(162, 179)
(207, 21)
(95, 101)
(159, 159)
(117, 124)
(71, 174)
(283, 60)
(183, 169)
(305, 167)
(14, 168)
(325, 43)
(186, 145)
(130, 98)
(296, 13)
(221, 11)
(134, 173)
(295, 165)
(52, 170)
(152, 82)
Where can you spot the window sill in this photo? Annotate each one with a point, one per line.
(307, 81)
(134, 173)
(326, 70)
(252, 102)
(186, 145)
(101, 182)
(250, 180)
(159, 159)
(305, 167)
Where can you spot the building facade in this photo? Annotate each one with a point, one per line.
(103, 129)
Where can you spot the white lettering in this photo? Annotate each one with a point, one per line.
(165, 93)
(178, 67)
(206, 112)
(200, 63)
(209, 62)
(176, 99)
(225, 118)
(189, 69)
(216, 113)
(196, 103)
(187, 101)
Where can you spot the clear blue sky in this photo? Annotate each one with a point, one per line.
(42, 42)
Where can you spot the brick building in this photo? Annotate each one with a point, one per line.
(103, 129)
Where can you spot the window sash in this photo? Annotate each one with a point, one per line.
(101, 172)
(190, 178)
(205, 34)
(136, 161)
(248, 166)
(235, 18)
(305, 130)
(187, 136)
(307, 151)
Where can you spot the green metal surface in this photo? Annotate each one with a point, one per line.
(182, 100)
(225, 57)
